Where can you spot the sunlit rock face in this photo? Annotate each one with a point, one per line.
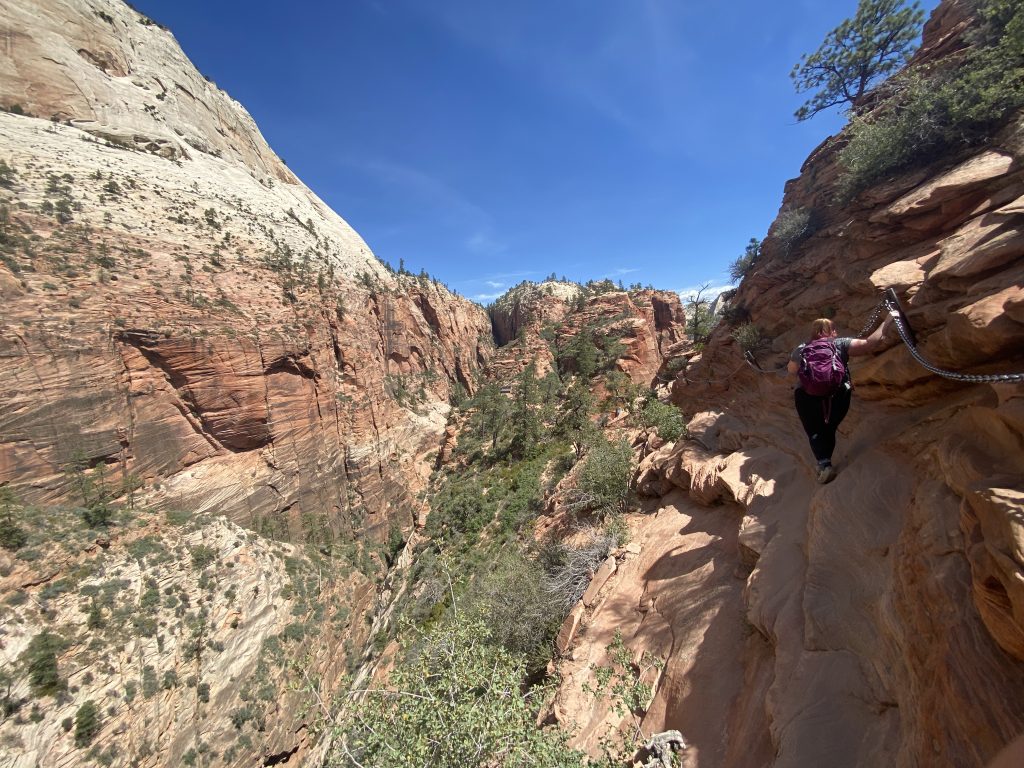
(879, 619)
(180, 312)
(534, 320)
(184, 309)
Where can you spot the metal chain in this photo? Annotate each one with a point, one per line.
(973, 378)
(889, 303)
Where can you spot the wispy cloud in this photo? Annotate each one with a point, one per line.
(626, 65)
(483, 244)
(621, 271)
(500, 279)
(430, 192)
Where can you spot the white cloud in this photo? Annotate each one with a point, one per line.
(431, 192)
(621, 271)
(494, 284)
(482, 243)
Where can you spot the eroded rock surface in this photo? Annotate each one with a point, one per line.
(876, 620)
(188, 324)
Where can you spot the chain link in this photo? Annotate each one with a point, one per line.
(890, 303)
(873, 320)
(973, 378)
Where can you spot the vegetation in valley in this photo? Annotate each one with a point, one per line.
(485, 599)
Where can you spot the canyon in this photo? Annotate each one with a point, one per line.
(201, 354)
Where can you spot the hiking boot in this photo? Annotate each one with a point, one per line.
(826, 474)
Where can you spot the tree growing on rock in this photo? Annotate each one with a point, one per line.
(857, 54)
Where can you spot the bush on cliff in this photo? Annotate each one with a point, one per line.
(931, 113)
(604, 480)
(663, 417)
(458, 701)
(741, 267)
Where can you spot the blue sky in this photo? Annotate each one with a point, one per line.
(491, 142)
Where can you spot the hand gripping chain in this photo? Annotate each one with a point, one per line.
(890, 303)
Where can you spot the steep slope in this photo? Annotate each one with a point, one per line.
(189, 330)
(875, 620)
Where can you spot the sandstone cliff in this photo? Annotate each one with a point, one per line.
(876, 620)
(534, 320)
(186, 323)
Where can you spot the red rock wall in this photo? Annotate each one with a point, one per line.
(879, 619)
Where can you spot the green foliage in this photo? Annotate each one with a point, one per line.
(791, 227)
(7, 175)
(458, 703)
(202, 556)
(490, 411)
(87, 724)
(92, 487)
(947, 108)
(623, 681)
(461, 507)
(740, 268)
(40, 659)
(664, 417)
(700, 320)
(588, 352)
(604, 479)
(524, 422)
(512, 597)
(575, 412)
(149, 682)
(749, 337)
(857, 54)
(12, 535)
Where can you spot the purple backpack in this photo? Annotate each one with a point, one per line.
(821, 368)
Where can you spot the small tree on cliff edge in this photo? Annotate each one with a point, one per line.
(858, 53)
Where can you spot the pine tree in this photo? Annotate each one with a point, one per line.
(857, 54)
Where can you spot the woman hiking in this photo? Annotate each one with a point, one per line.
(824, 390)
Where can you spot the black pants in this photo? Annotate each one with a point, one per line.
(813, 413)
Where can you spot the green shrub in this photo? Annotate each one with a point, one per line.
(12, 535)
(604, 479)
(40, 658)
(149, 682)
(459, 702)
(791, 227)
(511, 595)
(928, 114)
(749, 337)
(203, 556)
(740, 268)
(664, 417)
(87, 724)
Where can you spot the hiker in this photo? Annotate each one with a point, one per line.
(824, 390)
